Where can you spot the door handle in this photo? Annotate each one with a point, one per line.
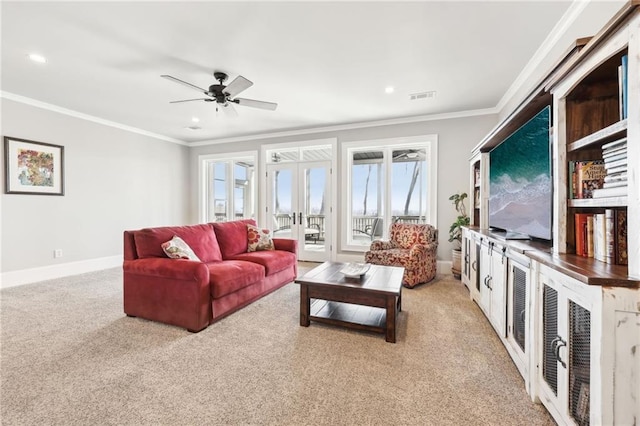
(294, 218)
(300, 218)
(556, 344)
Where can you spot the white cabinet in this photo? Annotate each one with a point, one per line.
(466, 259)
(574, 343)
(470, 262)
(581, 378)
(493, 265)
(518, 340)
(565, 350)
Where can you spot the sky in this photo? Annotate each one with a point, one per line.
(400, 183)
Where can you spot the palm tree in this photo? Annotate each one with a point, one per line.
(366, 191)
(414, 179)
(276, 188)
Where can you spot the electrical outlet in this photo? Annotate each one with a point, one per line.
(57, 253)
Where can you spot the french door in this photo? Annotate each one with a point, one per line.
(298, 206)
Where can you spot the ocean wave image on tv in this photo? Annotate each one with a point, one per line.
(520, 186)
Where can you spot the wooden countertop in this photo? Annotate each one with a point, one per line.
(584, 269)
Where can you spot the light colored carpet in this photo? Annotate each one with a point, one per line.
(70, 356)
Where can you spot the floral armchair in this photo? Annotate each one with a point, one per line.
(411, 246)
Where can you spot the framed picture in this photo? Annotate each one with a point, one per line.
(33, 167)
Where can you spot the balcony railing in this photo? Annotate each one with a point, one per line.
(371, 226)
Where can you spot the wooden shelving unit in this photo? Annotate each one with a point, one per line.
(584, 93)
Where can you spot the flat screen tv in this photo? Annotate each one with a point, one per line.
(520, 185)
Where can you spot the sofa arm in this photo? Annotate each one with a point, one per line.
(178, 269)
(423, 250)
(172, 291)
(381, 245)
(418, 251)
(286, 244)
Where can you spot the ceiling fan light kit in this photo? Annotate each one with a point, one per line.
(224, 96)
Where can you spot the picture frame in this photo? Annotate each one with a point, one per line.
(32, 167)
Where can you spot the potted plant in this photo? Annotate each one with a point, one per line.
(455, 231)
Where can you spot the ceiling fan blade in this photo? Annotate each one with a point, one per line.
(256, 104)
(229, 110)
(237, 85)
(184, 83)
(189, 100)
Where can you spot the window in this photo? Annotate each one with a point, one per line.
(227, 190)
(388, 181)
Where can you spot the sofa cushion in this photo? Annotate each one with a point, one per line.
(272, 260)
(259, 239)
(200, 238)
(231, 275)
(233, 236)
(176, 248)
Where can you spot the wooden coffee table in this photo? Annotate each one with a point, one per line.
(369, 303)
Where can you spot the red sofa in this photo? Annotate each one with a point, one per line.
(193, 294)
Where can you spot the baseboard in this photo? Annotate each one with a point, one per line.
(444, 267)
(27, 276)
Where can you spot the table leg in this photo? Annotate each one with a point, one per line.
(392, 313)
(305, 306)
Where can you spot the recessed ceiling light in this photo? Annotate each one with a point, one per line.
(37, 58)
(195, 119)
(389, 89)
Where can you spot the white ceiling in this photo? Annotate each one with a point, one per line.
(324, 63)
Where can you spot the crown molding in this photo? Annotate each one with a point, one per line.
(573, 12)
(83, 116)
(350, 126)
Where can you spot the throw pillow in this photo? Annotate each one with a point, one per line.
(259, 239)
(176, 248)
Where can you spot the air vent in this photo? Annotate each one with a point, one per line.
(422, 95)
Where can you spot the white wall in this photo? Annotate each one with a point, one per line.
(583, 19)
(114, 180)
(456, 138)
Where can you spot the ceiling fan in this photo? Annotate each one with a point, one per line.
(224, 96)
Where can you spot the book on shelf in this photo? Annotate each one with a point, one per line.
(611, 177)
(573, 178)
(617, 191)
(589, 244)
(622, 155)
(620, 94)
(617, 144)
(614, 152)
(581, 233)
(624, 86)
(598, 236)
(614, 183)
(618, 169)
(602, 236)
(588, 175)
(609, 236)
(620, 239)
(608, 164)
